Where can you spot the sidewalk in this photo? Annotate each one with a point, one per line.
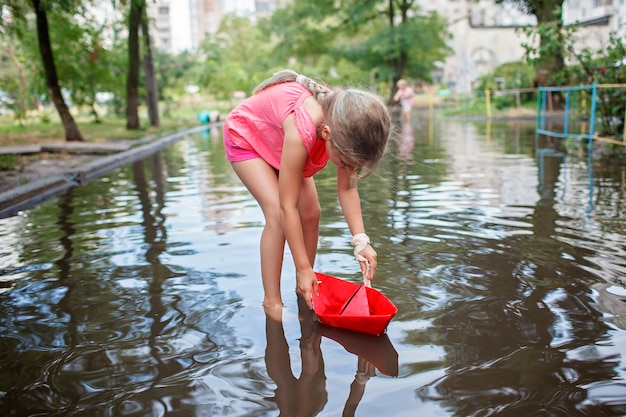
(76, 163)
(67, 147)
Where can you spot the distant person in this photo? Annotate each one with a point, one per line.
(405, 95)
(280, 137)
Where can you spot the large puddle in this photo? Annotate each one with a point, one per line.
(139, 294)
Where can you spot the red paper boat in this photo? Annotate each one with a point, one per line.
(351, 306)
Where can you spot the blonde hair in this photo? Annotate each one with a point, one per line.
(318, 90)
(401, 83)
(359, 121)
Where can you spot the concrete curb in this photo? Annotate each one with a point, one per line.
(20, 150)
(80, 147)
(38, 191)
(35, 192)
(67, 147)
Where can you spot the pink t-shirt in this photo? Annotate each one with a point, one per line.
(257, 125)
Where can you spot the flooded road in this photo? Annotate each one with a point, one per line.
(139, 294)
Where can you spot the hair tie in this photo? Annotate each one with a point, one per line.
(300, 79)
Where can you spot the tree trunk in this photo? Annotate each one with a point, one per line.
(552, 63)
(151, 82)
(132, 79)
(394, 61)
(399, 62)
(45, 48)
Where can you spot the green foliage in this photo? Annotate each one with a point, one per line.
(173, 73)
(83, 63)
(507, 76)
(237, 58)
(386, 39)
(545, 48)
(606, 66)
(7, 162)
(18, 72)
(465, 105)
(356, 42)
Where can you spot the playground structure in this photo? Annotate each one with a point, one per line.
(581, 104)
(580, 113)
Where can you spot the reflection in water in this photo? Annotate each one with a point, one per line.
(364, 371)
(612, 300)
(376, 350)
(139, 293)
(155, 236)
(508, 347)
(406, 142)
(307, 394)
(64, 263)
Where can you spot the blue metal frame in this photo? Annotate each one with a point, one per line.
(541, 113)
(541, 126)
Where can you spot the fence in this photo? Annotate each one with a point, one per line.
(578, 107)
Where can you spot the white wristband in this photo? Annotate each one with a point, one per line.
(360, 242)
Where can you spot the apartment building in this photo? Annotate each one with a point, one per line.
(182, 25)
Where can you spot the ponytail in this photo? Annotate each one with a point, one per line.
(318, 90)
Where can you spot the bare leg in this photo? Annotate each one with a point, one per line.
(262, 182)
(310, 211)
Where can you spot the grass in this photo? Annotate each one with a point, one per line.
(109, 129)
(46, 127)
(477, 106)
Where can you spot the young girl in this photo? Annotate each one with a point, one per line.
(405, 95)
(281, 136)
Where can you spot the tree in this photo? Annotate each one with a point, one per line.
(173, 72)
(384, 40)
(134, 62)
(152, 96)
(18, 10)
(549, 56)
(13, 79)
(238, 57)
(72, 133)
(86, 63)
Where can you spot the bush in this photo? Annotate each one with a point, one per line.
(7, 162)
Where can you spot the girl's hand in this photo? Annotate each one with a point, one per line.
(306, 284)
(368, 267)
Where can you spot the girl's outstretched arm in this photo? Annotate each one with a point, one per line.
(351, 206)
